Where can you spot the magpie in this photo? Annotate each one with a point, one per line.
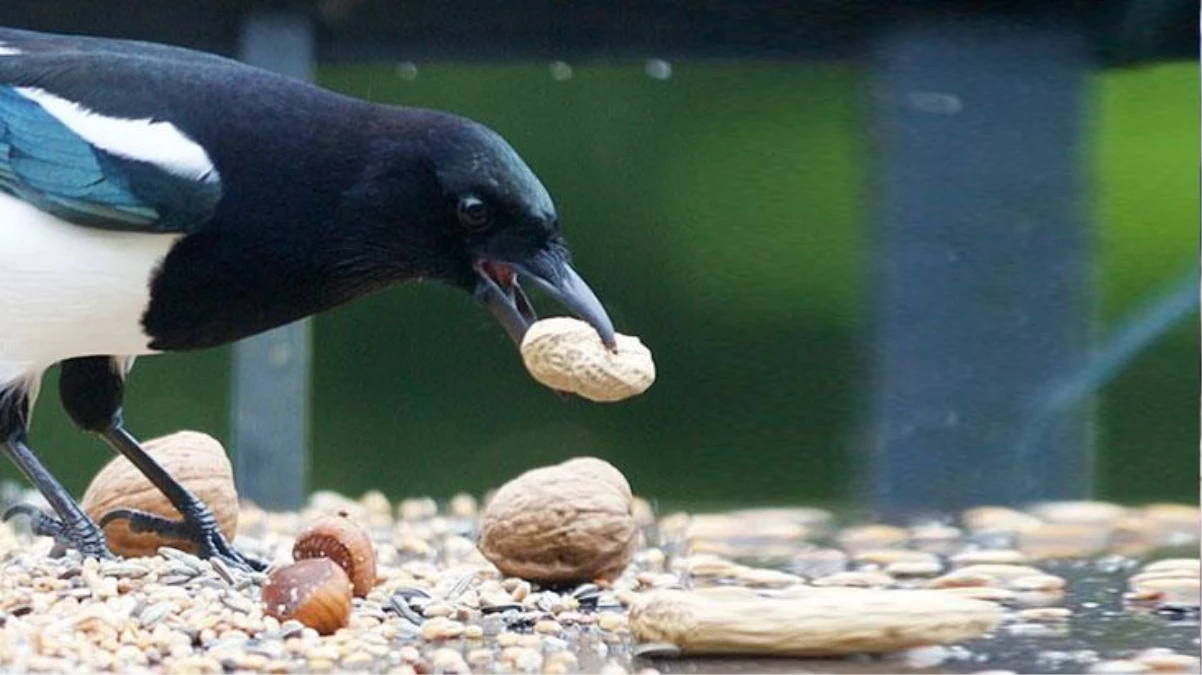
(157, 199)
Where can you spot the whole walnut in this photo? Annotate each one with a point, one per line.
(566, 523)
(198, 461)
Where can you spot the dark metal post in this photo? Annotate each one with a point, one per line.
(270, 406)
(983, 283)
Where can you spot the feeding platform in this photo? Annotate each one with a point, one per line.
(1070, 587)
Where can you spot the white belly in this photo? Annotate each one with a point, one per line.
(69, 291)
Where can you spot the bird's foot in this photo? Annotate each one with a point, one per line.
(83, 535)
(201, 530)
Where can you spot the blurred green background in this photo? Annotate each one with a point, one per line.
(722, 215)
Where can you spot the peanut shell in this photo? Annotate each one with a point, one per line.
(568, 355)
(811, 622)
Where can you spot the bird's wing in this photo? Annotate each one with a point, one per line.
(90, 168)
(32, 42)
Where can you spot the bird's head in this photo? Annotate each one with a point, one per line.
(498, 227)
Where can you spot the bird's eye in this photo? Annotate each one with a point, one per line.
(474, 214)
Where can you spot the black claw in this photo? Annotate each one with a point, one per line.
(255, 564)
(41, 523)
(209, 541)
(83, 536)
(213, 549)
(20, 510)
(143, 522)
(197, 526)
(220, 548)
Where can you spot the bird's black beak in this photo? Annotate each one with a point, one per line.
(499, 290)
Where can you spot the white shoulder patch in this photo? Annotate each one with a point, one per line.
(158, 143)
(5, 50)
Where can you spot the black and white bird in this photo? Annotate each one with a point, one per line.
(158, 199)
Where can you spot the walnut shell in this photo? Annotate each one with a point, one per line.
(564, 523)
(568, 355)
(196, 460)
(807, 622)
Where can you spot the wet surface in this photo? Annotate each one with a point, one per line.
(1101, 628)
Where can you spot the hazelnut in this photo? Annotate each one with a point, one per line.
(342, 541)
(568, 355)
(198, 461)
(315, 592)
(559, 524)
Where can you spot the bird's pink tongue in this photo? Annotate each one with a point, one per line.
(499, 272)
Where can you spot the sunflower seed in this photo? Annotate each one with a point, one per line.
(70, 573)
(587, 592)
(408, 593)
(176, 579)
(222, 570)
(179, 569)
(501, 608)
(155, 613)
(179, 556)
(291, 628)
(124, 570)
(237, 603)
(398, 604)
(461, 585)
(548, 601)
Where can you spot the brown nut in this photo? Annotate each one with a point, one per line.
(315, 592)
(563, 523)
(344, 542)
(568, 355)
(196, 460)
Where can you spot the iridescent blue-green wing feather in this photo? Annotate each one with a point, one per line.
(46, 163)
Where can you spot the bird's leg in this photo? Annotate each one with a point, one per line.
(141, 521)
(92, 389)
(72, 528)
(198, 526)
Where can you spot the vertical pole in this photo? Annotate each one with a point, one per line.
(271, 371)
(983, 270)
